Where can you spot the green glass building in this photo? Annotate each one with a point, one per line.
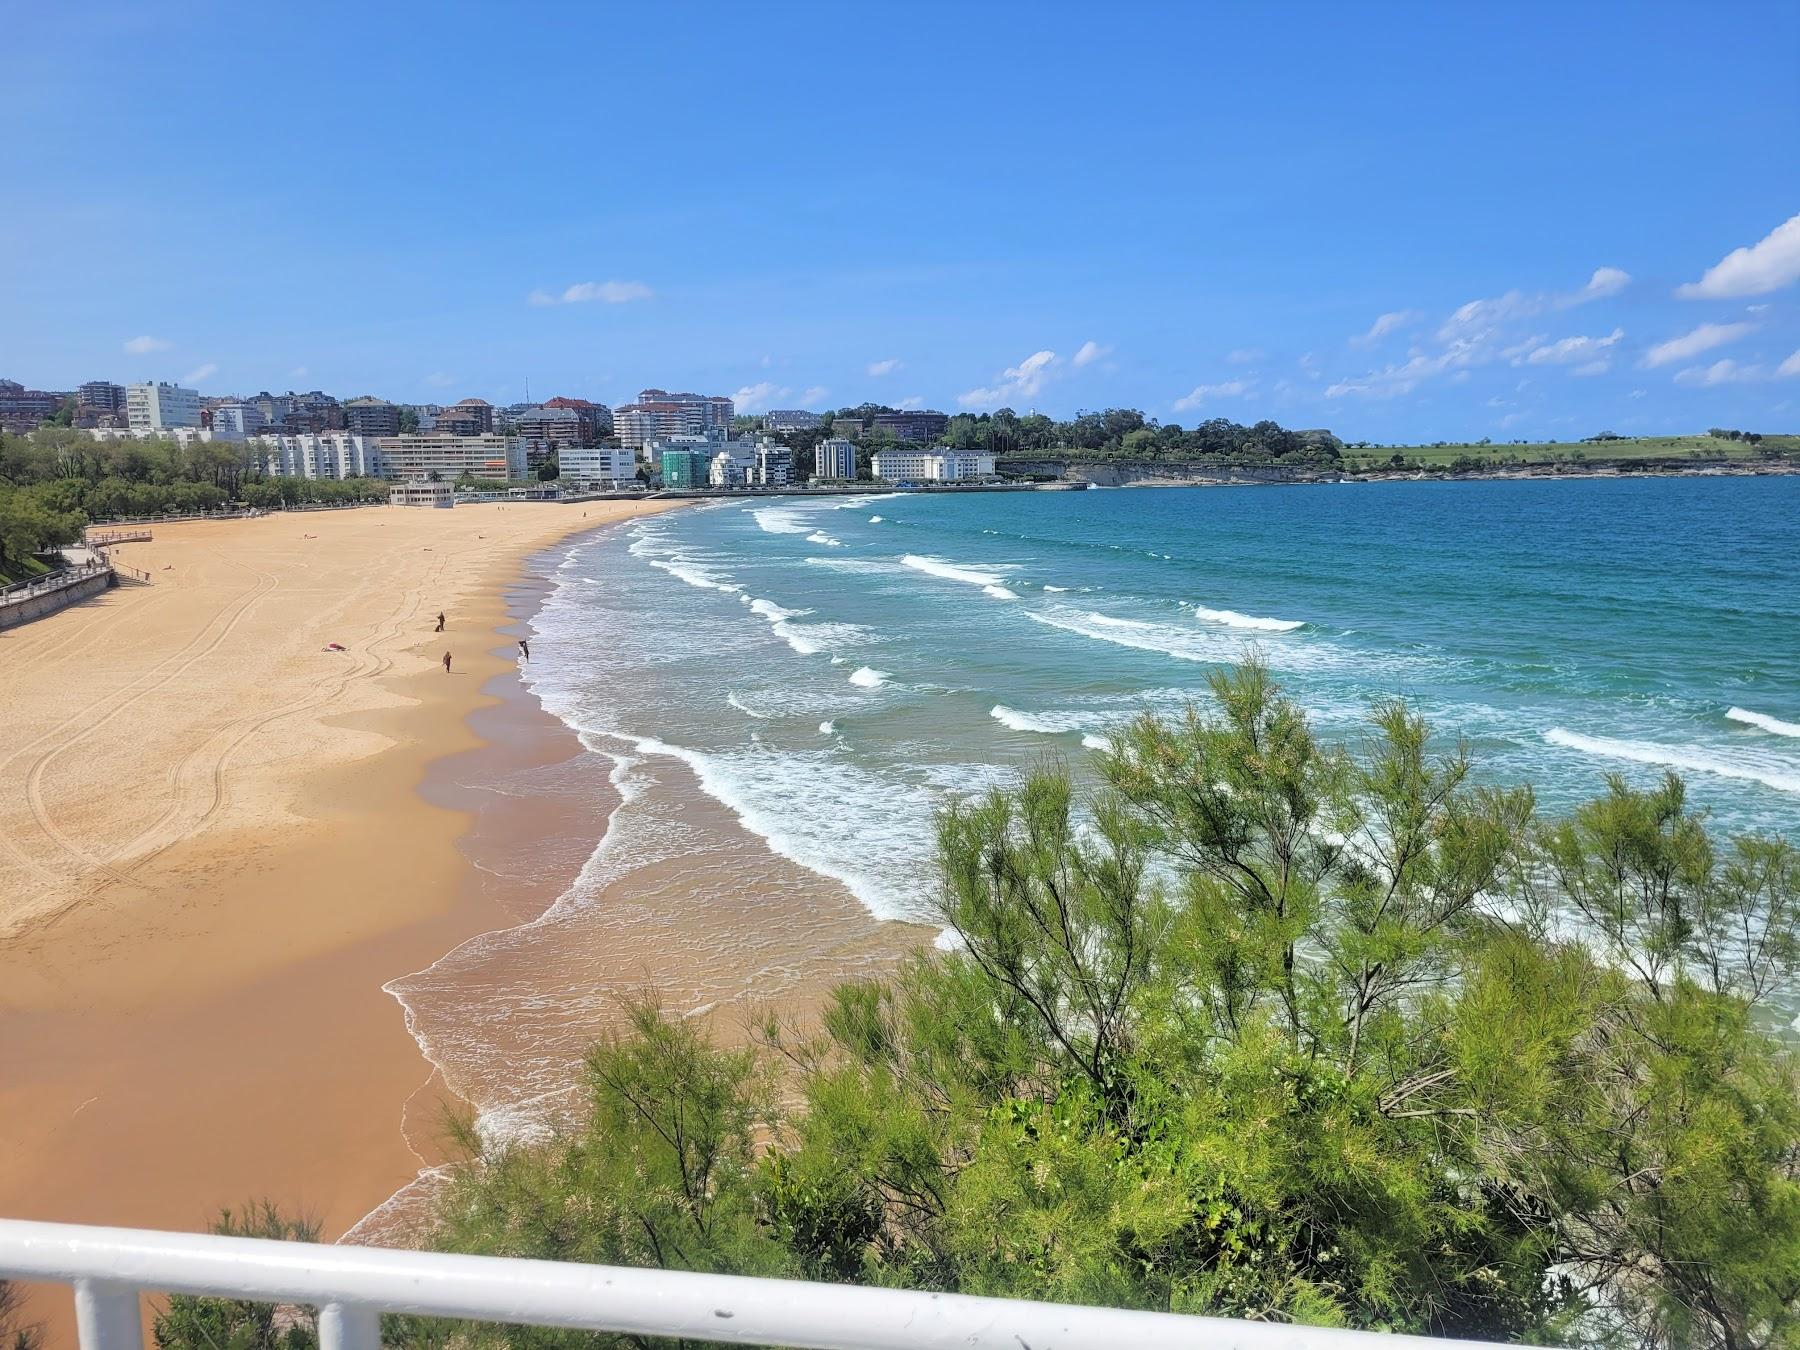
(685, 468)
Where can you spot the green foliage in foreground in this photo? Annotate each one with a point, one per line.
(1264, 1029)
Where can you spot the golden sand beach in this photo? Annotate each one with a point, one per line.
(219, 839)
(212, 855)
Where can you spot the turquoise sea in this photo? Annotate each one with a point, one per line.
(828, 669)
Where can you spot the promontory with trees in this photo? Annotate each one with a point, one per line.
(1254, 1027)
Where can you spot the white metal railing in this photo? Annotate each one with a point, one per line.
(352, 1286)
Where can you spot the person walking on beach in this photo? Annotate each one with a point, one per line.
(524, 650)
(440, 627)
(446, 663)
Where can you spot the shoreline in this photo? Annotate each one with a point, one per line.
(193, 1016)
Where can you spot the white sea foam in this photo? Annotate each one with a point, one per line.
(694, 574)
(1207, 646)
(774, 612)
(988, 578)
(865, 678)
(826, 728)
(1057, 590)
(1049, 723)
(1695, 759)
(820, 537)
(874, 520)
(782, 519)
(1093, 742)
(1232, 619)
(886, 837)
(1762, 721)
(745, 708)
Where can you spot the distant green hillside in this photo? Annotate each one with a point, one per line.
(1559, 452)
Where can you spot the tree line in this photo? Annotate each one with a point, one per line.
(55, 480)
(1258, 1028)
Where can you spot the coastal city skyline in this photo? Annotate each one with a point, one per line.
(1244, 255)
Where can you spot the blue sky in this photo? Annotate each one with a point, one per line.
(1197, 210)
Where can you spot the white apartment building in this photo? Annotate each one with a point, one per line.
(931, 466)
(597, 465)
(325, 454)
(733, 466)
(774, 466)
(493, 457)
(161, 407)
(235, 421)
(835, 460)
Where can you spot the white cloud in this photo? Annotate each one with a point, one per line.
(755, 397)
(1789, 367)
(1212, 393)
(200, 372)
(1720, 372)
(1385, 324)
(814, 395)
(438, 380)
(1017, 383)
(583, 292)
(887, 367)
(908, 404)
(1088, 353)
(143, 346)
(1599, 367)
(1702, 339)
(297, 373)
(1605, 281)
(1767, 265)
(1570, 350)
(1480, 316)
(1245, 356)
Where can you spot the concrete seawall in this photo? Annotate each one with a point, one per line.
(23, 609)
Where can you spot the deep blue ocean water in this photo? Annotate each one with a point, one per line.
(831, 668)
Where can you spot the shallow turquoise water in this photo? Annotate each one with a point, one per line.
(829, 669)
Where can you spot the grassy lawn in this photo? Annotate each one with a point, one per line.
(1544, 452)
(13, 570)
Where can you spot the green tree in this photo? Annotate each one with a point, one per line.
(194, 1323)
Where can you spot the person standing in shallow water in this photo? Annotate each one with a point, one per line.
(446, 663)
(524, 650)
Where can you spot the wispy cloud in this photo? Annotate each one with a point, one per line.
(1721, 372)
(1570, 350)
(298, 373)
(1701, 339)
(1088, 353)
(1245, 356)
(1385, 324)
(813, 396)
(1790, 367)
(756, 397)
(1213, 393)
(201, 372)
(908, 404)
(1767, 265)
(586, 292)
(887, 367)
(438, 380)
(1016, 384)
(1481, 315)
(143, 346)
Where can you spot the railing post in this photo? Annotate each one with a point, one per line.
(106, 1316)
(349, 1326)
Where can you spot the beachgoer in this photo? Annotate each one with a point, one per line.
(524, 650)
(446, 663)
(440, 627)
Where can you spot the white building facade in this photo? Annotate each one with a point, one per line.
(325, 454)
(235, 421)
(161, 407)
(492, 457)
(834, 460)
(598, 466)
(931, 466)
